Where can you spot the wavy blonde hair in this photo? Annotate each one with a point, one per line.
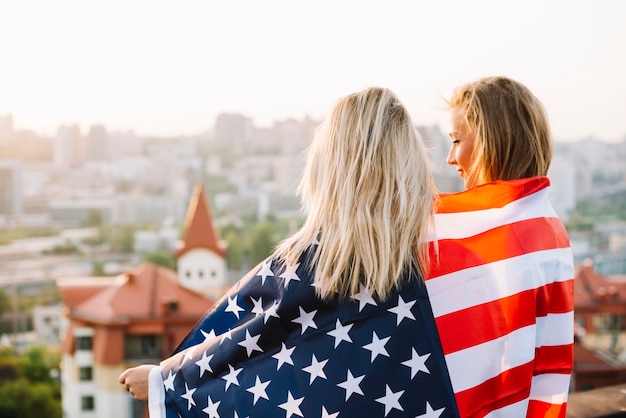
(510, 127)
(368, 194)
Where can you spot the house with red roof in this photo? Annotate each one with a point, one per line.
(600, 317)
(136, 318)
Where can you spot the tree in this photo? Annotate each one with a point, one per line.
(23, 399)
(27, 389)
(5, 302)
(161, 259)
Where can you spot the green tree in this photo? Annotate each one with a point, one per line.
(5, 302)
(24, 399)
(161, 258)
(26, 387)
(236, 249)
(263, 240)
(123, 239)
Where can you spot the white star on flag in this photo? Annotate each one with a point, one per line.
(325, 413)
(403, 310)
(292, 406)
(290, 274)
(377, 346)
(208, 336)
(189, 353)
(305, 319)
(364, 297)
(228, 335)
(189, 396)
(251, 343)
(417, 363)
(340, 333)
(391, 400)
(430, 413)
(351, 385)
(316, 369)
(258, 390)
(203, 363)
(266, 271)
(258, 306)
(233, 307)
(231, 377)
(211, 409)
(271, 312)
(284, 356)
(169, 382)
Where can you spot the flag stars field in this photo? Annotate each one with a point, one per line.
(309, 349)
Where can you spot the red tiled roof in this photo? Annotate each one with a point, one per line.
(592, 288)
(143, 293)
(200, 231)
(76, 290)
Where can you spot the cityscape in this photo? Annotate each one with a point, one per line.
(96, 203)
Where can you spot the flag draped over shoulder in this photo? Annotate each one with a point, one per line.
(271, 348)
(502, 297)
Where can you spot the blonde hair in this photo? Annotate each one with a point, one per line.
(368, 194)
(510, 128)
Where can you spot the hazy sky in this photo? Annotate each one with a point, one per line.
(169, 67)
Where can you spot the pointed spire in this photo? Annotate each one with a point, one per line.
(199, 229)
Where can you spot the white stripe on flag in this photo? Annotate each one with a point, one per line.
(473, 286)
(555, 329)
(517, 409)
(549, 388)
(467, 224)
(496, 356)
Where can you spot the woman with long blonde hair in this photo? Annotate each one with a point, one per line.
(337, 320)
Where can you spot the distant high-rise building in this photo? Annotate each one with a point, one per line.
(97, 143)
(10, 191)
(562, 176)
(233, 128)
(68, 147)
(6, 128)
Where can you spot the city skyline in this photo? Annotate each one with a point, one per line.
(167, 69)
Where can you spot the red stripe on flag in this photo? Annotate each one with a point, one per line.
(497, 244)
(539, 409)
(488, 321)
(554, 359)
(560, 296)
(487, 196)
(485, 322)
(507, 388)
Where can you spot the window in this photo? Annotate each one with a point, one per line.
(85, 374)
(143, 347)
(84, 343)
(87, 403)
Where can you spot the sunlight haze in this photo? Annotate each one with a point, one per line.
(169, 68)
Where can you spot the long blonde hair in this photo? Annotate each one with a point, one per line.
(510, 127)
(368, 194)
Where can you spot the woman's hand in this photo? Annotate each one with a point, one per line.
(135, 381)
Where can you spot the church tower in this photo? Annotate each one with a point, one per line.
(202, 257)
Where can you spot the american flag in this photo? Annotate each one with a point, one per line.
(503, 300)
(271, 348)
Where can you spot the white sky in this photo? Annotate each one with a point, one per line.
(169, 67)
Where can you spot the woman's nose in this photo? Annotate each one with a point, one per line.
(451, 156)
